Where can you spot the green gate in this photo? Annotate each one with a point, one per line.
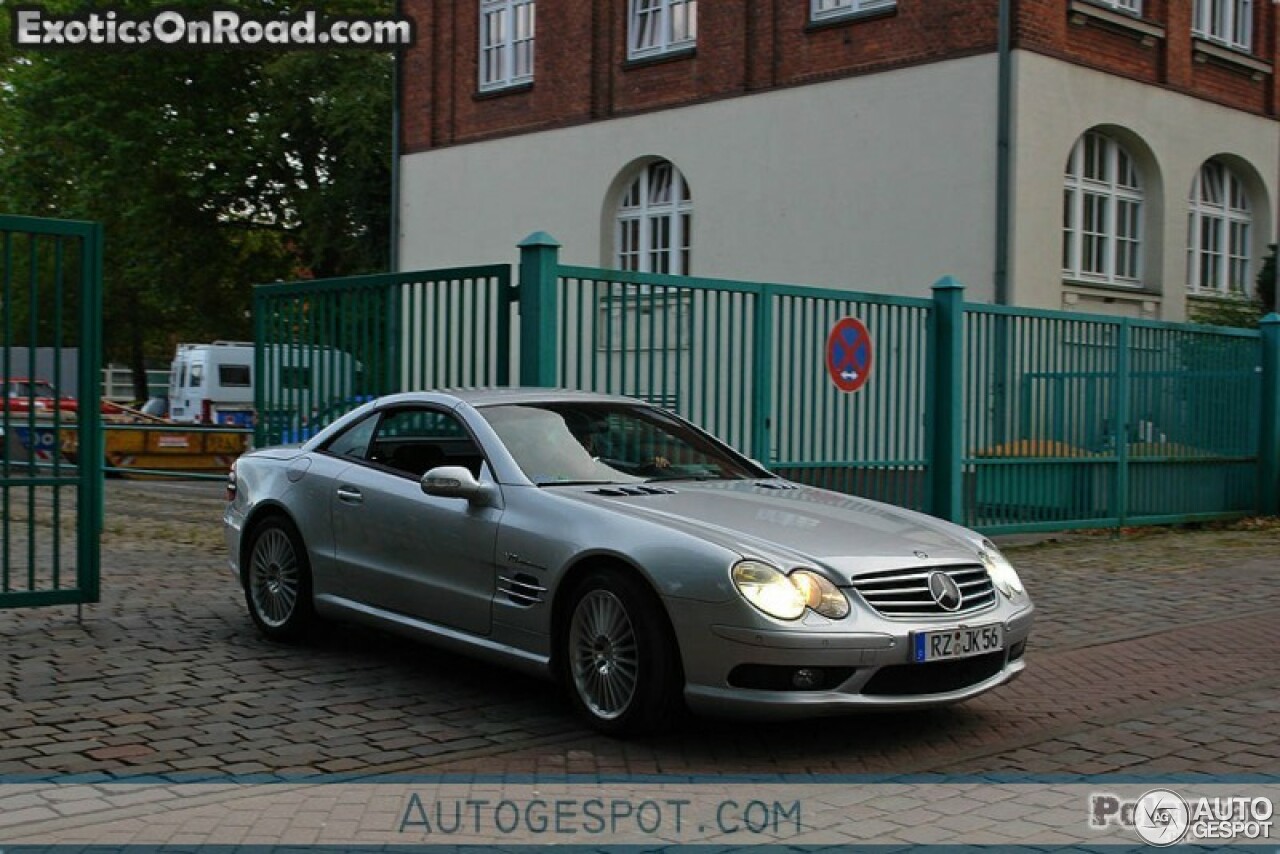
(324, 347)
(50, 424)
(1004, 419)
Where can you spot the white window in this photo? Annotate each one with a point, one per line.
(820, 10)
(1102, 213)
(660, 26)
(655, 222)
(506, 43)
(1229, 22)
(1218, 231)
(1131, 6)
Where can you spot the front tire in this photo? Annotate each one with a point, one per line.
(277, 584)
(618, 660)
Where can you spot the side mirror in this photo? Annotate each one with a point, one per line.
(456, 482)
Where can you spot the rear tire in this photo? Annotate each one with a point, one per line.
(617, 657)
(277, 581)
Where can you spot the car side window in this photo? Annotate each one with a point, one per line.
(354, 442)
(415, 440)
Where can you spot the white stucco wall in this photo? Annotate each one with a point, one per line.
(1170, 135)
(879, 183)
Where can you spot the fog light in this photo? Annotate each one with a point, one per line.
(806, 678)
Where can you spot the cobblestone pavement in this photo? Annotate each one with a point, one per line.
(1154, 653)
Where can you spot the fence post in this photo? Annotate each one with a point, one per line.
(1123, 400)
(762, 378)
(539, 259)
(1269, 452)
(261, 425)
(945, 400)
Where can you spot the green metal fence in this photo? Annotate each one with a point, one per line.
(1075, 420)
(1000, 418)
(746, 361)
(325, 347)
(50, 297)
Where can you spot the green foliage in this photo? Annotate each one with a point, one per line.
(210, 170)
(1241, 312)
(1266, 292)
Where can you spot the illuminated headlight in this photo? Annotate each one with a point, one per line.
(1003, 575)
(787, 596)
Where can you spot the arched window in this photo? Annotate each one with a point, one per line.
(655, 222)
(1218, 231)
(1102, 213)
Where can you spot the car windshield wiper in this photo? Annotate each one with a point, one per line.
(689, 477)
(574, 483)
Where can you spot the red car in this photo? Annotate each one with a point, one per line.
(20, 394)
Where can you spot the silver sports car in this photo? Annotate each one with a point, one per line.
(619, 549)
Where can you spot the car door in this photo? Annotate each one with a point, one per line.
(403, 551)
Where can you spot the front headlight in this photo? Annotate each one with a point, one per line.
(787, 596)
(1003, 575)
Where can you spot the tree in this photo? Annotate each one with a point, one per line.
(210, 171)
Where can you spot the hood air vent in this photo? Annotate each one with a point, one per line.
(775, 484)
(632, 491)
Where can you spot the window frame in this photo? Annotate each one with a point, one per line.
(1224, 218)
(665, 42)
(836, 10)
(1112, 201)
(507, 46)
(677, 213)
(1125, 7)
(1232, 26)
(378, 417)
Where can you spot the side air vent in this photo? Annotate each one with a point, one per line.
(521, 589)
(632, 491)
(775, 484)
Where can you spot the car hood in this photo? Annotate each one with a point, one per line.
(792, 524)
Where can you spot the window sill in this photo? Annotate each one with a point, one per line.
(829, 21)
(673, 55)
(1219, 298)
(1083, 12)
(1236, 60)
(499, 91)
(1104, 289)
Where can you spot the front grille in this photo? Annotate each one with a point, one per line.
(936, 677)
(781, 677)
(905, 592)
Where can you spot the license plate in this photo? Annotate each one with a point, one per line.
(957, 643)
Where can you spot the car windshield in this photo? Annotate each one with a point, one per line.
(583, 443)
(31, 388)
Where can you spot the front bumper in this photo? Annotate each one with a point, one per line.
(863, 662)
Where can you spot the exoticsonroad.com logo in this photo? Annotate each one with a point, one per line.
(36, 28)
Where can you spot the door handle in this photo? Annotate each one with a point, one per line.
(350, 495)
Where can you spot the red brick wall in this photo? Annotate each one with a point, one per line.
(582, 73)
(1045, 26)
